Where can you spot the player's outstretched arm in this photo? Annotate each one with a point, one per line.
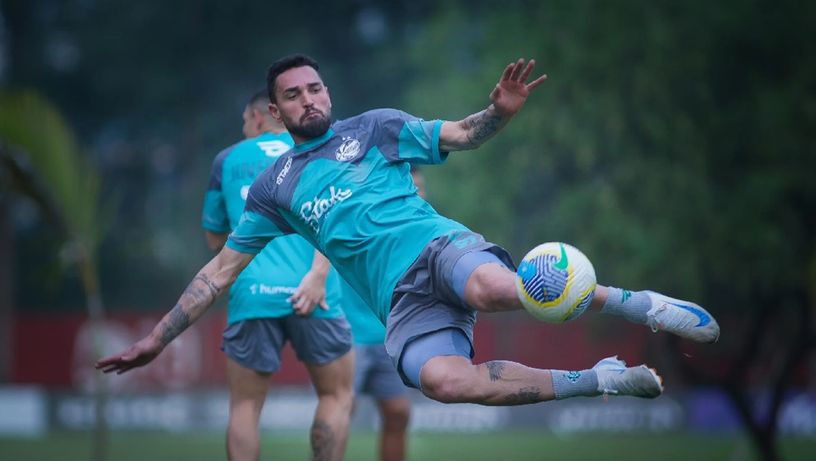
(506, 99)
(311, 293)
(200, 294)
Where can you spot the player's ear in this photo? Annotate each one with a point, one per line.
(275, 112)
(259, 120)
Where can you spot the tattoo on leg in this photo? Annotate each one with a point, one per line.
(323, 441)
(525, 395)
(178, 322)
(495, 369)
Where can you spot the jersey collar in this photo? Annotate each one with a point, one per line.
(313, 143)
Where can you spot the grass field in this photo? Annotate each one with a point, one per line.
(516, 446)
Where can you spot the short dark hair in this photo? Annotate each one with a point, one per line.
(282, 65)
(259, 99)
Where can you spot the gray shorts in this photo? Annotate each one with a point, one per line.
(257, 343)
(424, 300)
(374, 374)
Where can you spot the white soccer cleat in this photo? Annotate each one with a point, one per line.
(616, 379)
(682, 318)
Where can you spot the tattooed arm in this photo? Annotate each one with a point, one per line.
(506, 99)
(212, 280)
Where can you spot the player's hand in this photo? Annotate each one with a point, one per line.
(310, 294)
(140, 353)
(512, 90)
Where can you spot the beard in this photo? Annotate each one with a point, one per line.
(312, 128)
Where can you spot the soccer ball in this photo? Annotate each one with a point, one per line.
(555, 282)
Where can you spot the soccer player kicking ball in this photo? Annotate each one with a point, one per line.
(346, 188)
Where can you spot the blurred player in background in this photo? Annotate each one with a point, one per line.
(345, 188)
(288, 293)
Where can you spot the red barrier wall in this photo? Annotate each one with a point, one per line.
(58, 351)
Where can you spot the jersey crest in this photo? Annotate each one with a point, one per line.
(348, 149)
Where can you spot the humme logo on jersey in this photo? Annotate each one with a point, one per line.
(273, 148)
(284, 171)
(313, 210)
(348, 150)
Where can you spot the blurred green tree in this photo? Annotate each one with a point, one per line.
(40, 154)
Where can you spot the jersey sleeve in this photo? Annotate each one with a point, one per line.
(214, 216)
(409, 139)
(261, 220)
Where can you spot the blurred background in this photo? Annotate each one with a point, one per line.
(674, 143)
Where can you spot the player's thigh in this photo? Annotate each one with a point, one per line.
(246, 384)
(324, 345)
(335, 377)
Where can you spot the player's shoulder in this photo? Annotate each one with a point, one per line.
(372, 116)
(273, 175)
(225, 152)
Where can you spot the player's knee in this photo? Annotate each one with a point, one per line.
(340, 398)
(444, 385)
(345, 398)
(486, 292)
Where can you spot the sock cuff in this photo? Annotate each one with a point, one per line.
(568, 384)
(631, 305)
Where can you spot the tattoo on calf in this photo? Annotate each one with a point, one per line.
(530, 394)
(495, 369)
(323, 441)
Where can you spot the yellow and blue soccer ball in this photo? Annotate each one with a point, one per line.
(555, 282)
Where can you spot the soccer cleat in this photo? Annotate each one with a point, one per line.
(682, 318)
(616, 379)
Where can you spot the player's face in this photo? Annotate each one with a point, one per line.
(302, 103)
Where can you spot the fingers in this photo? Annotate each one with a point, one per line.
(528, 69)
(115, 364)
(324, 305)
(517, 67)
(104, 362)
(536, 82)
(519, 72)
(302, 305)
(507, 71)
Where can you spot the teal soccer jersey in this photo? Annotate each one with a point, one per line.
(349, 193)
(365, 326)
(271, 278)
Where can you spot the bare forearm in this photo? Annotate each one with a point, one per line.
(212, 280)
(199, 295)
(472, 131)
(320, 264)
